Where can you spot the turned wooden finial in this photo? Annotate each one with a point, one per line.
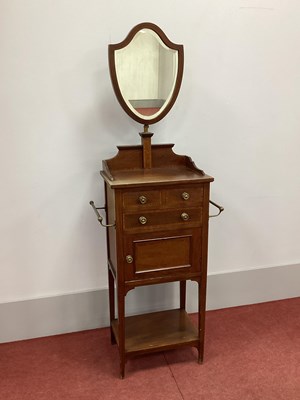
(147, 151)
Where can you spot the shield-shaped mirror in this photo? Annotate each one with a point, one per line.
(146, 71)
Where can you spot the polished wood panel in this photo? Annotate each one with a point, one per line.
(159, 177)
(126, 168)
(111, 232)
(162, 219)
(186, 196)
(167, 247)
(172, 197)
(157, 259)
(159, 254)
(131, 199)
(157, 331)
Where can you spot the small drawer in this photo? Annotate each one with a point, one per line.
(163, 219)
(184, 197)
(142, 199)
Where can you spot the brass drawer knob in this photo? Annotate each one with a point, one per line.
(143, 199)
(185, 196)
(142, 220)
(129, 259)
(185, 216)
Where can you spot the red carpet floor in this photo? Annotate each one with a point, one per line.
(251, 353)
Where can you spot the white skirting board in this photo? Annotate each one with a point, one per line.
(88, 310)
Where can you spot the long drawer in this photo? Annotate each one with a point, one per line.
(169, 219)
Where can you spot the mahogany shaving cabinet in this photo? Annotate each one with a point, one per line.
(156, 203)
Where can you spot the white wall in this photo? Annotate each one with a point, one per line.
(237, 116)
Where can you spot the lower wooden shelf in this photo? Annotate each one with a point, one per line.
(157, 331)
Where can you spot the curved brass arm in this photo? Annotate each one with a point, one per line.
(221, 209)
(100, 219)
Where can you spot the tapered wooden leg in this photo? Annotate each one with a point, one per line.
(200, 355)
(121, 328)
(201, 316)
(111, 288)
(182, 294)
(122, 369)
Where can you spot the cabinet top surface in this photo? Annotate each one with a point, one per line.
(154, 176)
(126, 168)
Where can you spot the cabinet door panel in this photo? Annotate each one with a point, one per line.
(162, 254)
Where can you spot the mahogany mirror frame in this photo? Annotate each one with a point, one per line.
(113, 74)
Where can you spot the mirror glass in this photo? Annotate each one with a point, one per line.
(146, 71)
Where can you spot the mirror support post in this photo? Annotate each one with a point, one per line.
(146, 143)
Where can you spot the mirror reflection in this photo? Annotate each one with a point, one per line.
(146, 71)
